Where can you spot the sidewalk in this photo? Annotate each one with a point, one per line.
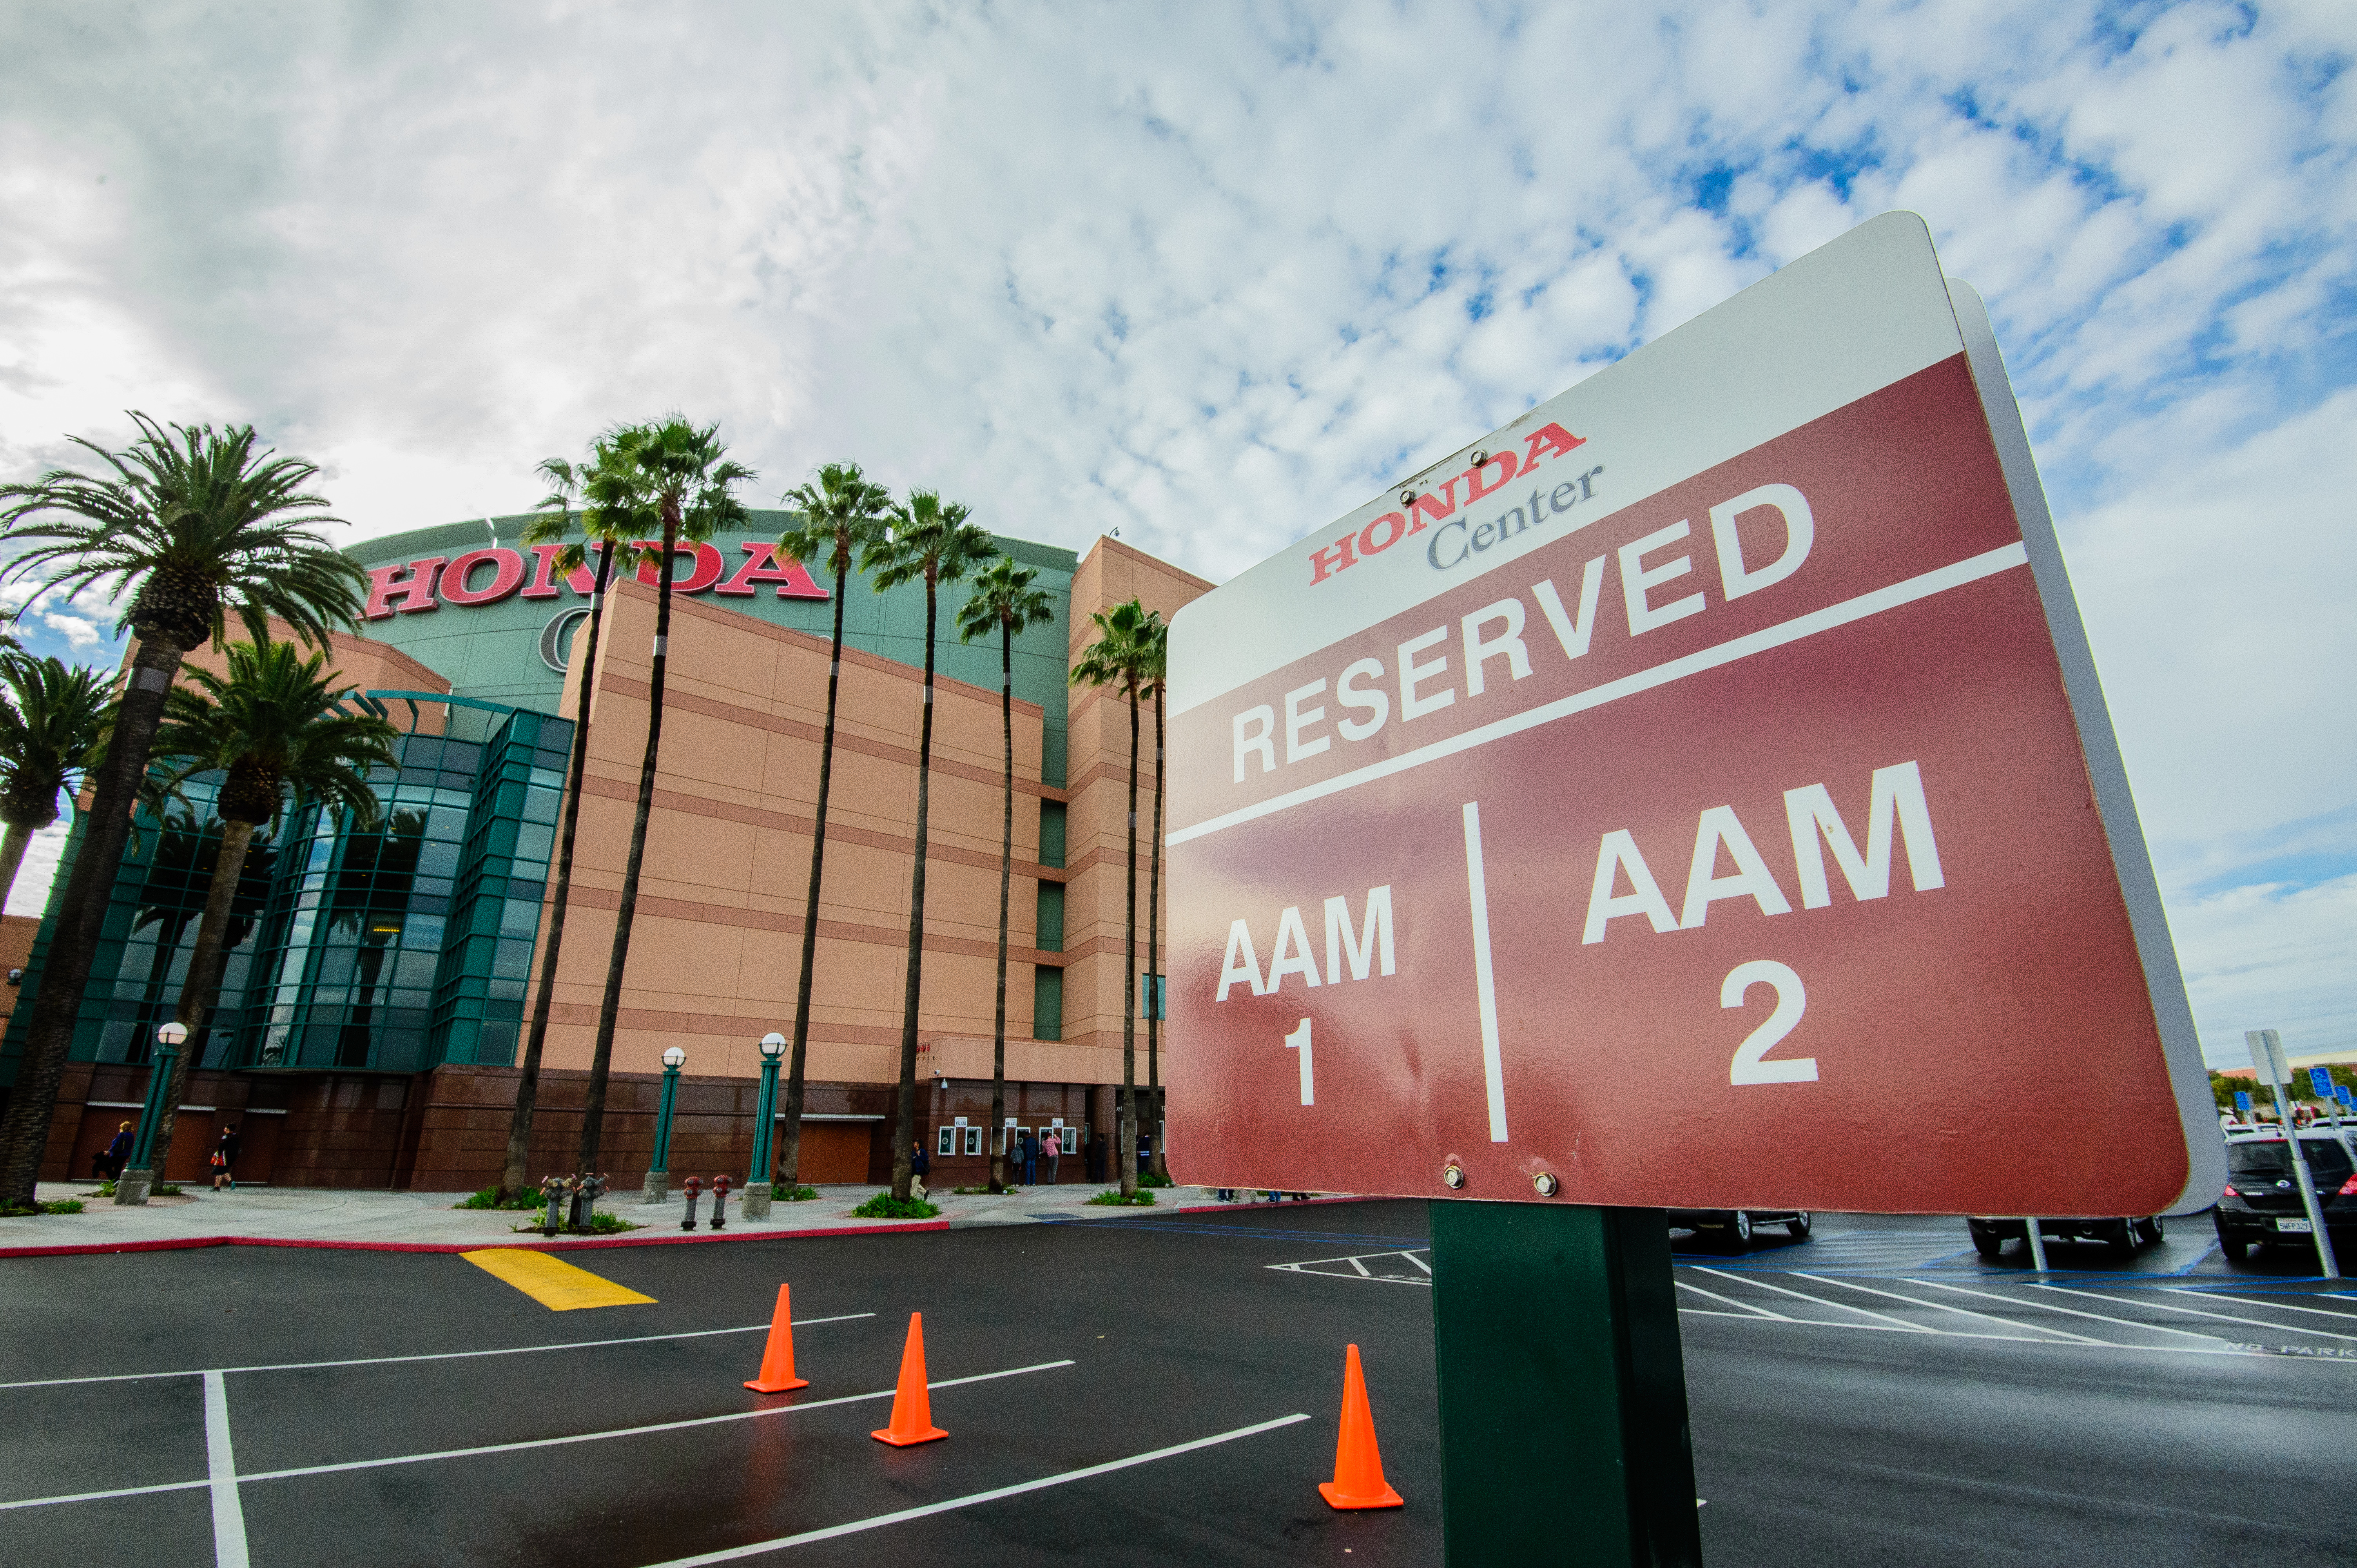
(424, 1221)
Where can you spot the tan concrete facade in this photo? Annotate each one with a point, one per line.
(715, 944)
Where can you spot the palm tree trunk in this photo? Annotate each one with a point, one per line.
(790, 1142)
(1154, 958)
(513, 1174)
(1129, 981)
(12, 856)
(905, 1122)
(49, 1030)
(601, 1060)
(1006, 876)
(201, 985)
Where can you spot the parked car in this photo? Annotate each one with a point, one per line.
(1733, 1228)
(2261, 1206)
(2124, 1234)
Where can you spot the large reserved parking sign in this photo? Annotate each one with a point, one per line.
(1697, 794)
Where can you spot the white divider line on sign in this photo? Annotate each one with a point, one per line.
(1956, 575)
(736, 1553)
(1486, 987)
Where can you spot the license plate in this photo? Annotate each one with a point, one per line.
(2296, 1227)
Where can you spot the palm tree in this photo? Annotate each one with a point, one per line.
(276, 728)
(49, 736)
(680, 472)
(1004, 601)
(842, 513)
(936, 542)
(1122, 658)
(1154, 633)
(609, 527)
(191, 524)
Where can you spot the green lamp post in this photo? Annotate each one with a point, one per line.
(755, 1205)
(131, 1187)
(657, 1188)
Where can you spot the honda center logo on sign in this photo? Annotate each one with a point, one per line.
(1748, 834)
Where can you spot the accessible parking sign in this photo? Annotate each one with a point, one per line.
(1697, 794)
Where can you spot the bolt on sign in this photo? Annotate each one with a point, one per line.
(1698, 792)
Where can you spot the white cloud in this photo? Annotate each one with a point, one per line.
(1217, 274)
(78, 633)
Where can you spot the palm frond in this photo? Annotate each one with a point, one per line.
(194, 527)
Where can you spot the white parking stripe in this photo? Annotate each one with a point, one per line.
(2227, 1318)
(2049, 1307)
(1756, 1311)
(1419, 1262)
(436, 1355)
(2272, 1306)
(1363, 1273)
(1967, 1311)
(735, 1553)
(1836, 1305)
(220, 1466)
(254, 1477)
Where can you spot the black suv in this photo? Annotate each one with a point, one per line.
(1733, 1227)
(2261, 1204)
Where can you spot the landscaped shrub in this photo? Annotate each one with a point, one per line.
(884, 1206)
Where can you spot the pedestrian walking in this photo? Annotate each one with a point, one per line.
(1053, 1147)
(920, 1167)
(115, 1155)
(225, 1159)
(1031, 1160)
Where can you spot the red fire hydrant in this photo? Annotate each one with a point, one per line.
(693, 1187)
(719, 1201)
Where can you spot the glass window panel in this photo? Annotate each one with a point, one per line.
(514, 960)
(496, 1045)
(437, 859)
(447, 823)
(519, 917)
(534, 843)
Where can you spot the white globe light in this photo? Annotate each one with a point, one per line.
(173, 1034)
(674, 1057)
(773, 1045)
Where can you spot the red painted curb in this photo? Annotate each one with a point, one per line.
(545, 1244)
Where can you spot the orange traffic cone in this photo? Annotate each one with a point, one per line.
(1358, 1480)
(912, 1409)
(778, 1360)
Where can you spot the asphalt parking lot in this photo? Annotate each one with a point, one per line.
(1140, 1390)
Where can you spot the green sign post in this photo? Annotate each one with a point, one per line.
(1563, 1398)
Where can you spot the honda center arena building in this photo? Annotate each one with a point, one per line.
(379, 985)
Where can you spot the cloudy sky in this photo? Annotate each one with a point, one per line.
(1212, 275)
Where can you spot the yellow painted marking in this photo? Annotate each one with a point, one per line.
(552, 1281)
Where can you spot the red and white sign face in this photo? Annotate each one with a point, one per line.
(1705, 817)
